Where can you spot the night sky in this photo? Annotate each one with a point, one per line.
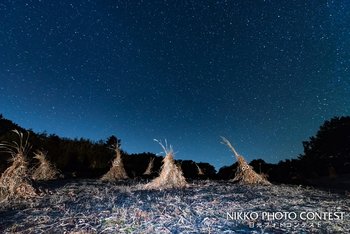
(264, 74)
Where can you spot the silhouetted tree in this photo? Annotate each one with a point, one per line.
(227, 172)
(259, 165)
(329, 148)
(208, 170)
(113, 140)
(136, 164)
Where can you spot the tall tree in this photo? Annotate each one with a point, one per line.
(113, 140)
(330, 147)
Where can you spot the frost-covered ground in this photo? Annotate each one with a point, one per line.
(91, 206)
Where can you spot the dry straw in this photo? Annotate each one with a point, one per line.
(117, 171)
(149, 168)
(45, 170)
(171, 175)
(245, 173)
(15, 182)
(200, 171)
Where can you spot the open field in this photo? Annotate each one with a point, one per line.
(92, 206)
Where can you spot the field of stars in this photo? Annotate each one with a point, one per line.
(264, 74)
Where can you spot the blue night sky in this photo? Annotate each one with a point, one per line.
(265, 74)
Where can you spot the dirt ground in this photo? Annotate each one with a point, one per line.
(92, 206)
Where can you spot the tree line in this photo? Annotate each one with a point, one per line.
(327, 154)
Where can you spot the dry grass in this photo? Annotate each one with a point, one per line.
(91, 206)
(171, 175)
(200, 171)
(14, 182)
(149, 168)
(117, 171)
(45, 170)
(245, 173)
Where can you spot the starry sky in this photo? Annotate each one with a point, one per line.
(265, 74)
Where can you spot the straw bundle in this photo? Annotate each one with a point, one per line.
(245, 173)
(45, 170)
(200, 171)
(117, 171)
(171, 175)
(14, 182)
(149, 168)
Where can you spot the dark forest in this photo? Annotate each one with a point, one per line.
(326, 155)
